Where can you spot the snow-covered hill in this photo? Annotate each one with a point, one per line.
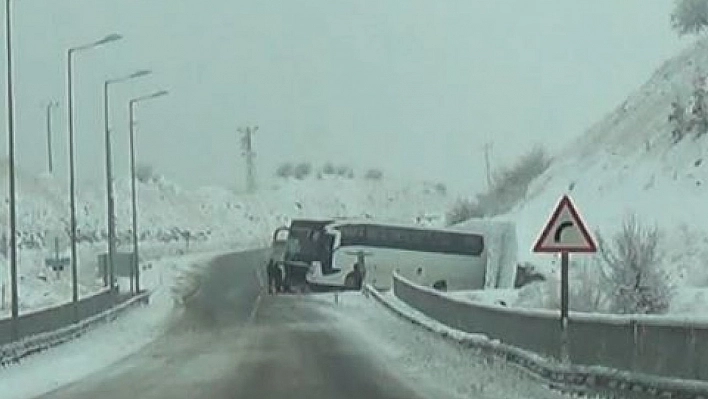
(627, 163)
(215, 218)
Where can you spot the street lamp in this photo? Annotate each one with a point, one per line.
(135, 270)
(110, 200)
(72, 173)
(11, 171)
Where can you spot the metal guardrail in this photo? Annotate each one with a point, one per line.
(576, 378)
(14, 351)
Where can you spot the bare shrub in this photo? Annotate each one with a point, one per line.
(329, 169)
(373, 174)
(633, 272)
(302, 170)
(344, 171)
(510, 185)
(145, 173)
(441, 188)
(285, 170)
(464, 209)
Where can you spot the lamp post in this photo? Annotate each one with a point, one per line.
(11, 171)
(72, 172)
(110, 200)
(135, 270)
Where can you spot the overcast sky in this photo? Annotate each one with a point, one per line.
(414, 87)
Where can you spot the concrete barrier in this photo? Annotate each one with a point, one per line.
(50, 327)
(567, 378)
(56, 317)
(648, 345)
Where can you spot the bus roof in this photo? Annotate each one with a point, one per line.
(400, 225)
(312, 223)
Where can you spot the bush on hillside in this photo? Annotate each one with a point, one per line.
(441, 188)
(690, 16)
(329, 169)
(285, 170)
(632, 270)
(692, 118)
(344, 171)
(464, 209)
(373, 174)
(145, 173)
(509, 187)
(302, 170)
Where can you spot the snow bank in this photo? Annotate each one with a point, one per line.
(500, 249)
(440, 367)
(105, 345)
(588, 380)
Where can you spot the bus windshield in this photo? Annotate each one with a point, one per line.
(302, 245)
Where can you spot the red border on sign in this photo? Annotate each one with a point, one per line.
(565, 201)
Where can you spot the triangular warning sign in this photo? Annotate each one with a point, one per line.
(565, 231)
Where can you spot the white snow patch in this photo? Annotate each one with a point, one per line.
(437, 365)
(103, 345)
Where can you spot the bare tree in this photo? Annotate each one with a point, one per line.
(690, 16)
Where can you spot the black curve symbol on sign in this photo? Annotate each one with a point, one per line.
(559, 230)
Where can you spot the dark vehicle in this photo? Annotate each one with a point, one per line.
(306, 244)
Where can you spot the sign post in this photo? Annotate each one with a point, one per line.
(564, 233)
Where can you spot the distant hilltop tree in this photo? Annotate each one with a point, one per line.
(145, 173)
(690, 17)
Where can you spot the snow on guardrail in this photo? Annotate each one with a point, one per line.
(569, 378)
(14, 351)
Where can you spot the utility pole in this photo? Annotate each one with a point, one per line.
(10, 108)
(50, 160)
(247, 147)
(487, 149)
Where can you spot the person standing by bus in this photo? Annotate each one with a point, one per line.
(273, 271)
(355, 278)
(279, 277)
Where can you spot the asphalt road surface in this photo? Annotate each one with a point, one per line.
(233, 342)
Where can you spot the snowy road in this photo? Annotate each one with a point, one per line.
(233, 344)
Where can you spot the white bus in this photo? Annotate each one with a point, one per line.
(441, 258)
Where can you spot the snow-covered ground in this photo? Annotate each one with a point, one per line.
(216, 218)
(427, 358)
(625, 164)
(100, 347)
